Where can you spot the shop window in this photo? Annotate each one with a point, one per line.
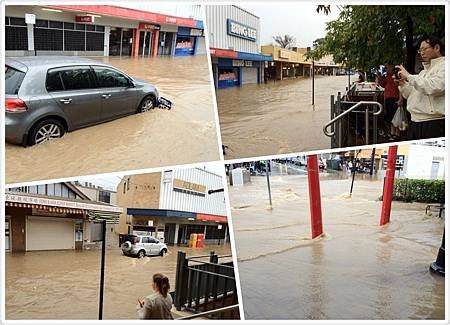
(14, 21)
(58, 189)
(51, 189)
(76, 78)
(56, 24)
(108, 78)
(100, 29)
(72, 195)
(90, 28)
(33, 189)
(53, 81)
(41, 189)
(80, 26)
(104, 196)
(41, 23)
(65, 191)
(74, 41)
(16, 38)
(95, 41)
(48, 39)
(69, 26)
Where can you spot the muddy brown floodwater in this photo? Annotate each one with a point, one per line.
(185, 134)
(276, 117)
(357, 270)
(65, 284)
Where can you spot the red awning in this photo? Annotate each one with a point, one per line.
(211, 217)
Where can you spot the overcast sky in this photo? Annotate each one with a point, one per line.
(296, 19)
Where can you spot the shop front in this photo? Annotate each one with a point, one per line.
(287, 63)
(36, 223)
(97, 31)
(175, 227)
(232, 68)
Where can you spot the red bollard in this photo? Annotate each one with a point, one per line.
(315, 205)
(388, 186)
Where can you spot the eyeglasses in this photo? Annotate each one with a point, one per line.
(420, 51)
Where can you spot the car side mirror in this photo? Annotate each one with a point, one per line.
(131, 83)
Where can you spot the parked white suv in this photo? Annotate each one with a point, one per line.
(142, 246)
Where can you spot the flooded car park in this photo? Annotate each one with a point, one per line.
(276, 117)
(185, 134)
(65, 284)
(356, 270)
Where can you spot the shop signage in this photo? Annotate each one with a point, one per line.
(184, 45)
(239, 30)
(148, 26)
(188, 187)
(196, 32)
(84, 19)
(242, 63)
(59, 203)
(285, 54)
(30, 19)
(211, 217)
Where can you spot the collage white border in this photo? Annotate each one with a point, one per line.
(201, 164)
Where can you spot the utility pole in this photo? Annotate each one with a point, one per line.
(268, 182)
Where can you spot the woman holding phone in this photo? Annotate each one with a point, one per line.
(158, 304)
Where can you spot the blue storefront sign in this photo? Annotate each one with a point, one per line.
(240, 30)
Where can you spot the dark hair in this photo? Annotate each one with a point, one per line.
(433, 41)
(162, 283)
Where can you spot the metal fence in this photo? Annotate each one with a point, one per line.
(203, 284)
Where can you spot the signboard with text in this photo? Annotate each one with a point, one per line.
(84, 19)
(240, 30)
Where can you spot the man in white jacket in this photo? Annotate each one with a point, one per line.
(425, 92)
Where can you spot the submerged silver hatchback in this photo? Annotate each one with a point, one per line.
(48, 96)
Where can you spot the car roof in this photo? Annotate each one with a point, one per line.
(52, 61)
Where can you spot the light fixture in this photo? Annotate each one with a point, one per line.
(191, 219)
(96, 16)
(52, 10)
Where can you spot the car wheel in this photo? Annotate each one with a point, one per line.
(147, 104)
(46, 130)
(163, 252)
(141, 253)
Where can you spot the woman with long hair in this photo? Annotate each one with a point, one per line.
(159, 303)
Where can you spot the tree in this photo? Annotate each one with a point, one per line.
(366, 36)
(286, 41)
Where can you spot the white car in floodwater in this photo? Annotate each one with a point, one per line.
(140, 246)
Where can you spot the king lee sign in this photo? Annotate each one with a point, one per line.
(240, 30)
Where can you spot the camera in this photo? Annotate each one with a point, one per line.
(396, 70)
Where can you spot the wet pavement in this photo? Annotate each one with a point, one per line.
(185, 134)
(65, 284)
(357, 270)
(276, 117)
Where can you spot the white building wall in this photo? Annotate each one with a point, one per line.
(208, 204)
(216, 25)
(420, 161)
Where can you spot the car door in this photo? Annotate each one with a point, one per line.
(117, 92)
(146, 245)
(154, 246)
(73, 89)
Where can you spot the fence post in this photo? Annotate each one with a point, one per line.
(180, 279)
(315, 205)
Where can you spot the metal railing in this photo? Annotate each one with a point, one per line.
(202, 285)
(337, 119)
(228, 312)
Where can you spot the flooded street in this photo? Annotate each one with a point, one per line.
(65, 284)
(357, 270)
(276, 117)
(185, 134)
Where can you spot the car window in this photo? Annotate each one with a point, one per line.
(153, 240)
(145, 240)
(76, 78)
(13, 80)
(53, 81)
(109, 78)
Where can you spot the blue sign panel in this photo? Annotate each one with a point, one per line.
(240, 30)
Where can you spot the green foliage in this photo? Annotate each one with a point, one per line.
(367, 36)
(419, 190)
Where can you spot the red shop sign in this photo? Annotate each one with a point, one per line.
(148, 26)
(84, 19)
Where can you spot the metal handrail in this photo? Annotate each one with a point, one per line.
(211, 312)
(340, 116)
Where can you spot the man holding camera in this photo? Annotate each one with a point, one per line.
(425, 92)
